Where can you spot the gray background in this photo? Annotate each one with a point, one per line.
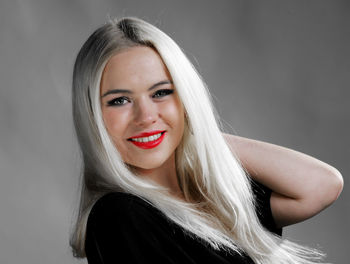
(278, 71)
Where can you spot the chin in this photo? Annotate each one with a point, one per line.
(148, 164)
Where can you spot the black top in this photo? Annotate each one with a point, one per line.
(123, 228)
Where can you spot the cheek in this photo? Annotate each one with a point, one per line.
(115, 122)
(174, 115)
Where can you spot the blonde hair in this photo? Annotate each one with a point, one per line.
(221, 207)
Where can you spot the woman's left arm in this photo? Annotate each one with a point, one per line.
(301, 185)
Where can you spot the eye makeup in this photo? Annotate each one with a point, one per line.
(119, 101)
(162, 92)
(122, 100)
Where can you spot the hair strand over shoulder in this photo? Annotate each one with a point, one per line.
(221, 211)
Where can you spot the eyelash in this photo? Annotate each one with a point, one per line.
(162, 93)
(158, 94)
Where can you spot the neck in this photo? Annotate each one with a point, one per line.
(165, 176)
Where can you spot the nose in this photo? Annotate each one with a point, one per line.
(145, 113)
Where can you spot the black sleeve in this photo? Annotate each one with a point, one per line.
(262, 196)
(123, 228)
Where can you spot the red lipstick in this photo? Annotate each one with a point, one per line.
(139, 139)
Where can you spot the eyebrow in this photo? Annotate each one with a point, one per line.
(116, 91)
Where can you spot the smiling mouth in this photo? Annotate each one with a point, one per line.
(147, 139)
(148, 142)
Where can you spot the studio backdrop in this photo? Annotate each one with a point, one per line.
(278, 71)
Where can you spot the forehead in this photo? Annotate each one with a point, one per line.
(134, 66)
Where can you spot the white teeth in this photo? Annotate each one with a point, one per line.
(147, 139)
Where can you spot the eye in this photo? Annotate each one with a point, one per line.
(118, 101)
(162, 93)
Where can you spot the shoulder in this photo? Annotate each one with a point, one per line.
(124, 226)
(117, 201)
(119, 208)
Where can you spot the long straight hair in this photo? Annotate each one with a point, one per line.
(220, 208)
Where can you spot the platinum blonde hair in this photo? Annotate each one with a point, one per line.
(220, 208)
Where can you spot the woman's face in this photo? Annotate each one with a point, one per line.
(141, 109)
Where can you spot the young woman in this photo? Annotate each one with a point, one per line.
(162, 183)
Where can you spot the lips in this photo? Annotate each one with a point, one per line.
(147, 140)
(147, 134)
